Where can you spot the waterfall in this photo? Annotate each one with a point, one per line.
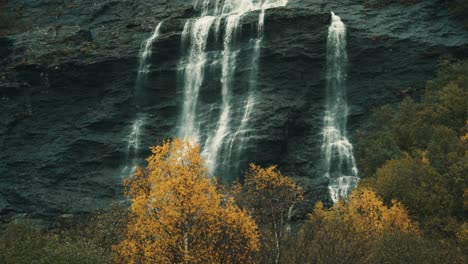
(194, 123)
(213, 143)
(288, 219)
(145, 55)
(242, 130)
(133, 139)
(338, 159)
(193, 70)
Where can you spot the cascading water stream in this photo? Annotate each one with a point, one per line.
(133, 139)
(192, 68)
(145, 55)
(339, 163)
(213, 143)
(241, 131)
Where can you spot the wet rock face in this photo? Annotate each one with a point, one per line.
(68, 101)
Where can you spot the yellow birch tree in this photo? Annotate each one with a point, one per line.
(367, 214)
(270, 197)
(178, 216)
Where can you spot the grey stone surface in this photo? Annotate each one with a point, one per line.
(67, 88)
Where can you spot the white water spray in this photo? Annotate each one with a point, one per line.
(193, 69)
(133, 146)
(339, 163)
(133, 139)
(146, 51)
(213, 143)
(196, 35)
(242, 130)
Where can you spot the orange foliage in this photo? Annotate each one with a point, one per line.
(178, 216)
(465, 199)
(424, 158)
(368, 215)
(270, 197)
(267, 193)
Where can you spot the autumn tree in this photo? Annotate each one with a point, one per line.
(400, 247)
(367, 214)
(178, 216)
(421, 187)
(347, 232)
(329, 241)
(417, 152)
(270, 197)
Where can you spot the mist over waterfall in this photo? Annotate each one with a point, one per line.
(211, 45)
(133, 139)
(338, 159)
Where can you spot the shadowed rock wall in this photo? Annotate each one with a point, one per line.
(67, 88)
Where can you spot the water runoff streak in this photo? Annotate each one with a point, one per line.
(339, 163)
(133, 139)
(238, 139)
(194, 123)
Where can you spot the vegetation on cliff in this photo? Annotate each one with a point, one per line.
(418, 152)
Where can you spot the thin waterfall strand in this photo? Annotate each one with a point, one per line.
(249, 104)
(339, 163)
(196, 32)
(146, 51)
(133, 139)
(213, 144)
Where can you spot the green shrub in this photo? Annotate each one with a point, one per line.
(406, 248)
(417, 152)
(335, 242)
(326, 242)
(82, 240)
(23, 242)
(104, 227)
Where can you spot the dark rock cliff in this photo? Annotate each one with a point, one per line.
(67, 87)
